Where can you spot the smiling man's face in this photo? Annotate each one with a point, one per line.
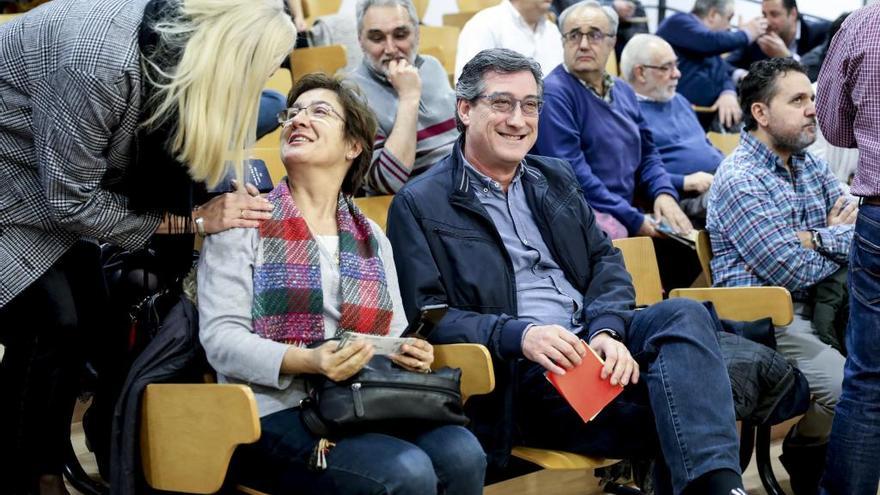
(500, 139)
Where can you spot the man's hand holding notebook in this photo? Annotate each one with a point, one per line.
(594, 383)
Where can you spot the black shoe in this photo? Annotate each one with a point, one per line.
(804, 462)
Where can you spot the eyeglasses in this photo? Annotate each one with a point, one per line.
(506, 103)
(317, 110)
(576, 36)
(663, 68)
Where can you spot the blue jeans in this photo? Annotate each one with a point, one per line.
(445, 459)
(682, 405)
(853, 465)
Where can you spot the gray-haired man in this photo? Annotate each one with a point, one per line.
(409, 93)
(508, 242)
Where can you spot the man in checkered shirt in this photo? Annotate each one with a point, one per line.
(778, 216)
(849, 111)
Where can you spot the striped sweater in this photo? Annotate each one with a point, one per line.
(436, 128)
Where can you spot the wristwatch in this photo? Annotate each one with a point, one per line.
(611, 333)
(816, 239)
(200, 226)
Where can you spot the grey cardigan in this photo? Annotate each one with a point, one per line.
(226, 294)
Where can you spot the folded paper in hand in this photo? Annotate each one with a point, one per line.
(583, 386)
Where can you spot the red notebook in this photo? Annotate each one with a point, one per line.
(583, 386)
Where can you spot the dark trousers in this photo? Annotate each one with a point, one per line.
(41, 330)
(681, 409)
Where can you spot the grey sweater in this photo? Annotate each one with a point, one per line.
(226, 294)
(436, 131)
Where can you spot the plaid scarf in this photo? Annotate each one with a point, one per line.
(288, 296)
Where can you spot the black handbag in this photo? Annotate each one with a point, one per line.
(382, 397)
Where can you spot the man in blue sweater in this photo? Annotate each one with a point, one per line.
(648, 63)
(699, 38)
(593, 122)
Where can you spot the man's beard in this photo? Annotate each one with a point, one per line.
(793, 144)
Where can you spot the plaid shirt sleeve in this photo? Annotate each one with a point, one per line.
(836, 239)
(760, 234)
(75, 114)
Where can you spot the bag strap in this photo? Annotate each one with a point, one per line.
(312, 419)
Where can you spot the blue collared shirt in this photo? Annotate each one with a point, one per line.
(756, 208)
(543, 295)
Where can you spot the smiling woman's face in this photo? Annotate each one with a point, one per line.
(316, 134)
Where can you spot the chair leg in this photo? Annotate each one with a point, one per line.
(78, 478)
(762, 458)
(746, 444)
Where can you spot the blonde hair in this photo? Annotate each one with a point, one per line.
(227, 51)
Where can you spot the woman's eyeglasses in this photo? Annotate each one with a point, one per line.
(317, 110)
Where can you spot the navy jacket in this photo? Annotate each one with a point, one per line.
(813, 34)
(447, 250)
(704, 74)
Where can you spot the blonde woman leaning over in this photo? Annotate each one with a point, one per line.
(109, 111)
(317, 268)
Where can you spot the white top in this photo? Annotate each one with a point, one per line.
(502, 26)
(226, 294)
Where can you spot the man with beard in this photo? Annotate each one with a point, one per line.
(409, 93)
(778, 216)
(649, 64)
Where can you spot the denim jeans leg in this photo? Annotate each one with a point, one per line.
(853, 465)
(689, 389)
(458, 459)
(368, 463)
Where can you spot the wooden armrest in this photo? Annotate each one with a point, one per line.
(745, 303)
(475, 362)
(189, 431)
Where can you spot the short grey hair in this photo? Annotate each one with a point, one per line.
(638, 52)
(610, 13)
(702, 7)
(363, 5)
(471, 83)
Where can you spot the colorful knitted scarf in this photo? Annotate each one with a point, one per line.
(288, 298)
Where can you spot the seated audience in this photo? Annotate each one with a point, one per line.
(777, 216)
(317, 268)
(520, 25)
(593, 121)
(649, 65)
(409, 93)
(509, 243)
(699, 38)
(788, 35)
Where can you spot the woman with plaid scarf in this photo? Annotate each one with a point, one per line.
(318, 268)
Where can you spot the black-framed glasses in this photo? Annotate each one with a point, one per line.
(671, 66)
(316, 110)
(530, 106)
(595, 36)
